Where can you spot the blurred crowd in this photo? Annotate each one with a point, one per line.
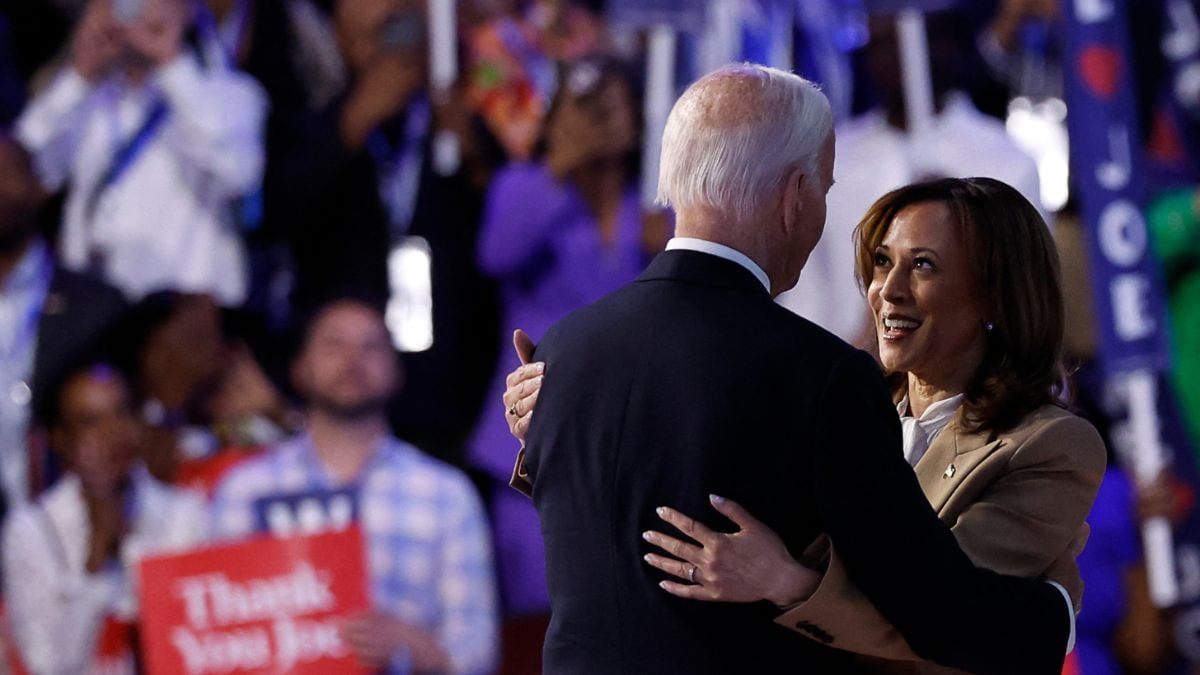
(250, 247)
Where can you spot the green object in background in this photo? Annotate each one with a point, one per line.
(1174, 223)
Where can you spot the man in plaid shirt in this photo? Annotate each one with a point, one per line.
(428, 547)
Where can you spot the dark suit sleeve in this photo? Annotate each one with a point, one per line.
(904, 559)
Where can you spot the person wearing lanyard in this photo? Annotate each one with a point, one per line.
(427, 545)
(366, 182)
(47, 315)
(156, 145)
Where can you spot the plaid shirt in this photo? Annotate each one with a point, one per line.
(428, 546)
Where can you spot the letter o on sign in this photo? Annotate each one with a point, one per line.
(1122, 233)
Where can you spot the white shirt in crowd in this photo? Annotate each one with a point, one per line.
(168, 220)
(874, 158)
(22, 296)
(55, 606)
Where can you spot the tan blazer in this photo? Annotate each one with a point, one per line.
(1016, 503)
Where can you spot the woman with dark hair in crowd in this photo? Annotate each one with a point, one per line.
(69, 557)
(963, 282)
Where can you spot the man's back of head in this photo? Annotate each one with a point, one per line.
(734, 134)
(747, 157)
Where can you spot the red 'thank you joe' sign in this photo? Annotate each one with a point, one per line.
(263, 606)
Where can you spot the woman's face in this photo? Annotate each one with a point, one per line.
(97, 430)
(927, 310)
(602, 120)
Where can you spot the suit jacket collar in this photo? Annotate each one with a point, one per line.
(951, 458)
(702, 269)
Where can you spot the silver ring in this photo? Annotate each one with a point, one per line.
(692, 575)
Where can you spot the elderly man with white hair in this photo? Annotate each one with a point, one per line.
(691, 383)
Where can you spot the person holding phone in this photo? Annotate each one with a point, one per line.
(156, 144)
(366, 182)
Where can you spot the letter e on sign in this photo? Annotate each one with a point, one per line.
(1131, 307)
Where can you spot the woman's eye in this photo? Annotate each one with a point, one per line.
(923, 263)
(881, 260)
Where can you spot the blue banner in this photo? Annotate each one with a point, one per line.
(1172, 138)
(684, 15)
(1107, 166)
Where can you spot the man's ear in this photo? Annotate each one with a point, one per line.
(793, 197)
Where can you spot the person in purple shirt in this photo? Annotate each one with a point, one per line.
(1113, 549)
(558, 233)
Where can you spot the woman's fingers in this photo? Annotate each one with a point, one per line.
(687, 525)
(689, 591)
(675, 547)
(527, 393)
(524, 396)
(735, 512)
(524, 372)
(674, 567)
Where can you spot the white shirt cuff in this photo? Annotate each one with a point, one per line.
(1070, 613)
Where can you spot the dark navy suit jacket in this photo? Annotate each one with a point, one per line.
(692, 381)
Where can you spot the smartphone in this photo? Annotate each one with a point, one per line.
(128, 11)
(402, 31)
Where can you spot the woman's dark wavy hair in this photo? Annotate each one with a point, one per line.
(1017, 274)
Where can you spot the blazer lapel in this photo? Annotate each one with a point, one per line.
(952, 457)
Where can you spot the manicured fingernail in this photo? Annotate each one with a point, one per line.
(660, 510)
(662, 585)
(646, 557)
(647, 536)
(539, 378)
(717, 499)
(540, 366)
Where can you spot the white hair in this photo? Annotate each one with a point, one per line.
(733, 136)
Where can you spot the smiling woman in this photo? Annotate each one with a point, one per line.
(962, 279)
(963, 282)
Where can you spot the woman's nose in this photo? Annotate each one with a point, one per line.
(895, 285)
